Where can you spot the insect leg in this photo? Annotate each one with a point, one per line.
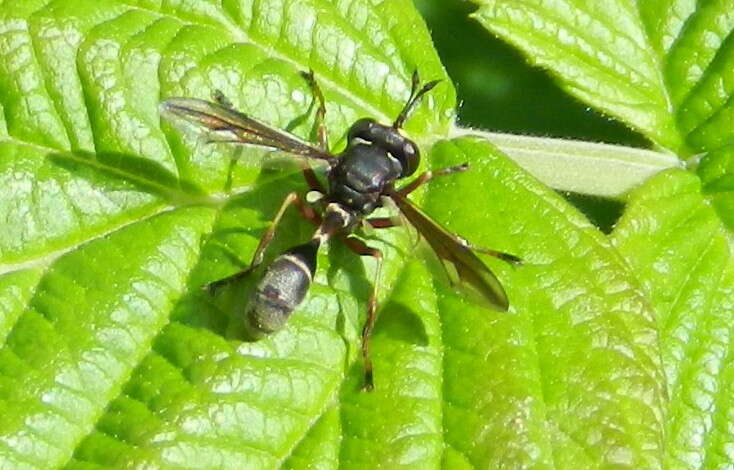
(311, 179)
(306, 211)
(359, 247)
(321, 131)
(382, 222)
(427, 176)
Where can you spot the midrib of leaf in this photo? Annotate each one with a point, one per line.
(566, 165)
(176, 197)
(173, 197)
(48, 259)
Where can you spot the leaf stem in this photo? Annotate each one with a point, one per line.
(582, 167)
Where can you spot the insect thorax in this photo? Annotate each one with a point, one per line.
(359, 178)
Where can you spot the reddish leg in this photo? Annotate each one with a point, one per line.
(311, 179)
(382, 222)
(306, 211)
(428, 176)
(359, 247)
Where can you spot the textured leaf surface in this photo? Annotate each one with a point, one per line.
(573, 380)
(680, 251)
(664, 67)
(113, 357)
(717, 180)
(79, 77)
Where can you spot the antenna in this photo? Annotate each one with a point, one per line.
(414, 99)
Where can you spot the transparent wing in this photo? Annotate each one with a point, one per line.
(455, 255)
(234, 126)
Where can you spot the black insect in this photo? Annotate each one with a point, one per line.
(359, 181)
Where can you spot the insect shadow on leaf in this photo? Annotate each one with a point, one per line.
(342, 265)
(401, 323)
(141, 173)
(242, 222)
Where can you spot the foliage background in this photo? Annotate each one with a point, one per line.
(498, 90)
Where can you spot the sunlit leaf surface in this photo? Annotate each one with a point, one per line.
(664, 67)
(680, 251)
(112, 356)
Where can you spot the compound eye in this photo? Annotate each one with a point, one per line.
(362, 129)
(411, 158)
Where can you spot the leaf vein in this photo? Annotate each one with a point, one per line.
(237, 32)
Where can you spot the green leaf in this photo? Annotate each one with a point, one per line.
(114, 357)
(717, 179)
(111, 354)
(664, 67)
(678, 248)
(80, 85)
(73, 344)
(573, 379)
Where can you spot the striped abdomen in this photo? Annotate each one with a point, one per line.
(282, 288)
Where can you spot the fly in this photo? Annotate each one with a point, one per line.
(359, 181)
